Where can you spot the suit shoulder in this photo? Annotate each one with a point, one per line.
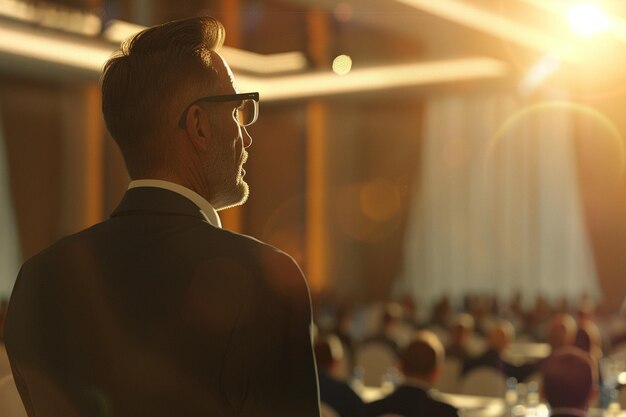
(248, 246)
(444, 409)
(62, 244)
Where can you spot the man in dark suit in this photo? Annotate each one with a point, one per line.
(421, 363)
(569, 377)
(158, 311)
(335, 393)
(499, 337)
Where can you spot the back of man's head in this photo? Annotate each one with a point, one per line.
(568, 378)
(462, 327)
(143, 83)
(423, 357)
(500, 335)
(561, 330)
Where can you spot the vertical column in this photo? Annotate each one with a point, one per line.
(81, 176)
(317, 167)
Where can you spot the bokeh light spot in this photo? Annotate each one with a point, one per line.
(380, 200)
(342, 64)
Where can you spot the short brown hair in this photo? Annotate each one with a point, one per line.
(140, 81)
(568, 378)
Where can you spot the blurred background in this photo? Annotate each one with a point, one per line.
(413, 150)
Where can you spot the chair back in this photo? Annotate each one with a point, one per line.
(450, 376)
(484, 381)
(375, 359)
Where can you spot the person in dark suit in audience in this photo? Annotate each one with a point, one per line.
(158, 311)
(335, 393)
(499, 337)
(561, 331)
(460, 332)
(569, 377)
(421, 364)
(387, 334)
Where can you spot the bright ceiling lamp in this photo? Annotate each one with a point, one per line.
(118, 31)
(587, 19)
(488, 22)
(597, 20)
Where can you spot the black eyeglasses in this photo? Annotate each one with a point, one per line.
(245, 114)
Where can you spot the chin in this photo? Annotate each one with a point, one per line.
(238, 197)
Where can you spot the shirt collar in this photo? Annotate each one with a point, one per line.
(206, 209)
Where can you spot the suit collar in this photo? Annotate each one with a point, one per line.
(152, 200)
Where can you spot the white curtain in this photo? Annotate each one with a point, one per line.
(9, 241)
(496, 208)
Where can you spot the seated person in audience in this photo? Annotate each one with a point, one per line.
(388, 333)
(569, 378)
(336, 394)
(561, 331)
(498, 338)
(460, 333)
(588, 339)
(421, 364)
(441, 313)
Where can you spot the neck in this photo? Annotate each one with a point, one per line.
(419, 381)
(191, 181)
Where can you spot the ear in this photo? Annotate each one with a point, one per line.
(198, 128)
(436, 374)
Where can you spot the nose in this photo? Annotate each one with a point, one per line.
(247, 139)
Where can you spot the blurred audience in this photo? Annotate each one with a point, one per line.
(421, 364)
(507, 345)
(335, 393)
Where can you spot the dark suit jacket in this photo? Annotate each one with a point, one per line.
(339, 396)
(410, 401)
(155, 312)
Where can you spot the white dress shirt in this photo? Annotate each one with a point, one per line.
(206, 209)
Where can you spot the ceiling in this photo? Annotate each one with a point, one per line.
(425, 43)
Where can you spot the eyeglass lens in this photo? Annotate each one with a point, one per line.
(246, 113)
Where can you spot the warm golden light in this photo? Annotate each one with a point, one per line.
(342, 65)
(587, 19)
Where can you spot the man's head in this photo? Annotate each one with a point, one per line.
(561, 331)
(568, 379)
(150, 93)
(462, 328)
(423, 357)
(500, 335)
